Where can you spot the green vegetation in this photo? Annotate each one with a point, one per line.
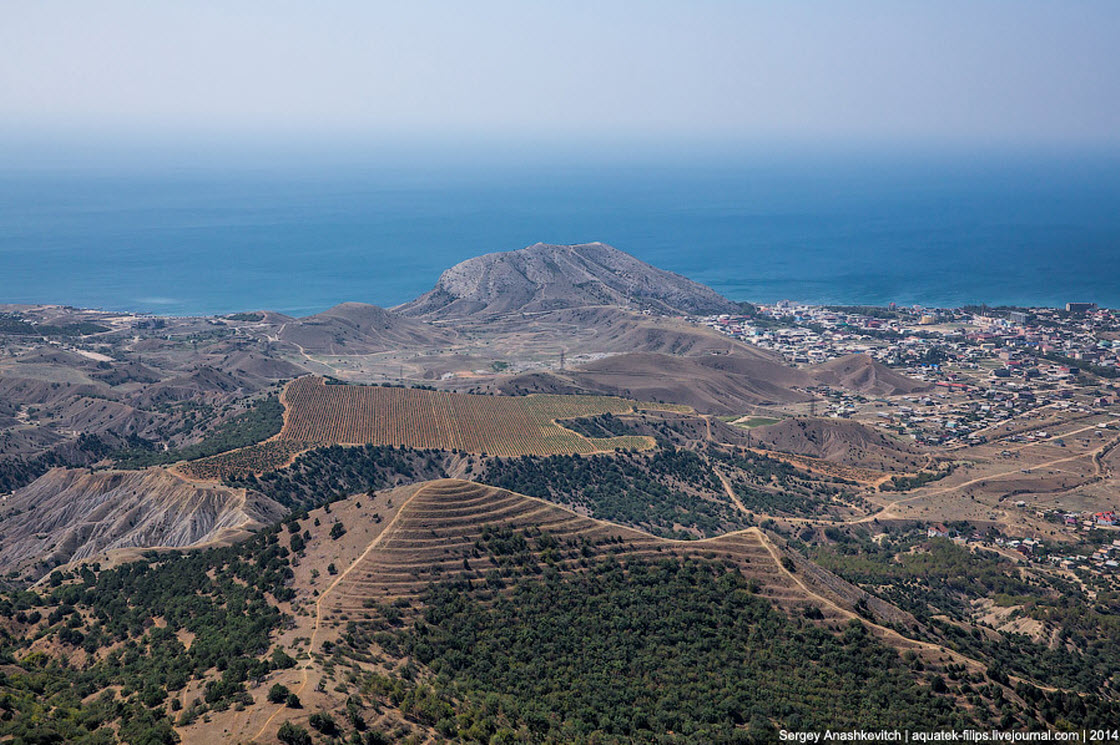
(935, 579)
(17, 326)
(906, 483)
(660, 493)
(1101, 371)
(291, 734)
(319, 475)
(16, 472)
(756, 421)
(871, 311)
(771, 486)
(602, 426)
(259, 458)
(672, 651)
(250, 317)
(672, 492)
(220, 598)
(259, 423)
(919, 574)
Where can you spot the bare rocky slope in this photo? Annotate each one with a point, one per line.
(841, 441)
(547, 277)
(711, 384)
(72, 514)
(358, 328)
(859, 372)
(719, 383)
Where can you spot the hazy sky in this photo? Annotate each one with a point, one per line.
(1012, 71)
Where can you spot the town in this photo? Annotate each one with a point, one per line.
(987, 366)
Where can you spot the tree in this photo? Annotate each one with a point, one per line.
(278, 693)
(324, 723)
(291, 734)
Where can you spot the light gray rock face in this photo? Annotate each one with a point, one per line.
(72, 514)
(545, 277)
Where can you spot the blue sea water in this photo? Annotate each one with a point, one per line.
(933, 230)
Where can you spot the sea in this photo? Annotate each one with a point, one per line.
(852, 228)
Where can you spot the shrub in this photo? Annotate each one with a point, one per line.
(291, 734)
(278, 693)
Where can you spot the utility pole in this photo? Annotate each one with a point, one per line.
(561, 359)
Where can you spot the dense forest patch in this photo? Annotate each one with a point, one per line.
(321, 474)
(668, 651)
(672, 493)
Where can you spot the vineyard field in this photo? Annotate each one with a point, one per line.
(419, 418)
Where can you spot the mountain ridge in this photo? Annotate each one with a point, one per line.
(544, 277)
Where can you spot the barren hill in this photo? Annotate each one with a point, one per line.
(714, 384)
(607, 329)
(71, 514)
(358, 328)
(859, 372)
(593, 330)
(841, 441)
(202, 381)
(546, 277)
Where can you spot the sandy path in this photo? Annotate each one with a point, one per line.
(888, 510)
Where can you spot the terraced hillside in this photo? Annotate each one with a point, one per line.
(419, 418)
(450, 611)
(439, 528)
(424, 573)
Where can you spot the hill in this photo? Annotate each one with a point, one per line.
(861, 373)
(439, 523)
(547, 277)
(72, 514)
(453, 611)
(712, 384)
(616, 330)
(416, 580)
(358, 328)
(840, 441)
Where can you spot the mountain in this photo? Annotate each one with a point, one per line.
(546, 277)
(861, 373)
(72, 514)
(358, 328)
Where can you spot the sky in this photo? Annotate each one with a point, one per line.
(996, 72)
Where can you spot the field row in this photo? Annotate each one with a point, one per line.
(496, 425)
